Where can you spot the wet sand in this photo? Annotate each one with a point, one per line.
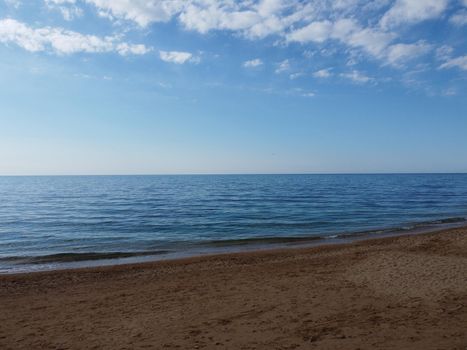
(406, 292)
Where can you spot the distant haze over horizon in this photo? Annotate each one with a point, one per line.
(122, 87)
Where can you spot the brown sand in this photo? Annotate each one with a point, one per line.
(395, 293)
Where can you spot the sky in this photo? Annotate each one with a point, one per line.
(247, 86)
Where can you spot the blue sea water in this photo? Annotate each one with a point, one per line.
(48, 222)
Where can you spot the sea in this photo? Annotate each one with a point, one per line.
(55, 222)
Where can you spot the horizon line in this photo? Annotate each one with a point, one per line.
(241, 174)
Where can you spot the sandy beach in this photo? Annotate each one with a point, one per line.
(406, 292)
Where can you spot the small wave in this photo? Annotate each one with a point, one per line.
(408, 227)
(75, 257)
(261, 240)
(454, 220)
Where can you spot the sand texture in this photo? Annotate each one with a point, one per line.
(394, 293)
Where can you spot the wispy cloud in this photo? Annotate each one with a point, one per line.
(449, 92)
(283, 66)
(457, 62)
(323, 73)
(178, 57)
(62, 41)
(400, 53)
(459, 18)
(412, 11)
(67, 8)
(348, 32)
(140, 12)
(356, 77)
(253, 63)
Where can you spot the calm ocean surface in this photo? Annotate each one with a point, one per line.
(52, 222)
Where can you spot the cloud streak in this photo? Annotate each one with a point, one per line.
(457, 62)
(62, 41)
(142, 12)
(178, 57)
(356, 77)
(322, 73)
(400, 53)
(253, 63)
(413, 11)
(67, 8)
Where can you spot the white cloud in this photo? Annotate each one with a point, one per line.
(322, 73)
(133, 49)
(253, 63)
(459, 18)
(62, 41)
(143, 12)
(216, 16)
(400, 53)
(344, 4)
(443, 53)
(373, 41)
(178, 57)
(458, 62)
(67, 8)
(348, 32)
(412, 11)
(315, 31)
(356, 77)
(283, 66)
(370, 40)
(70, 13)
(254, 19)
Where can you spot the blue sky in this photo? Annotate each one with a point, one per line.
(203, 86)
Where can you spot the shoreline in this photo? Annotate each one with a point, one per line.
(71, 261)
(394, 292)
